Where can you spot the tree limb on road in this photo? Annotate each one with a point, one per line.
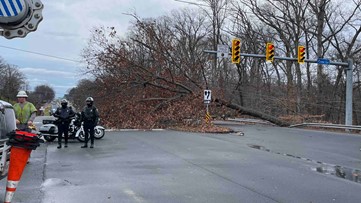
(252, 112)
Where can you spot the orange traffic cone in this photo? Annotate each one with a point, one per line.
(18, 159)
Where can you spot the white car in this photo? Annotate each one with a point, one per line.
(7, 124)
(7, 119)
(39, 121)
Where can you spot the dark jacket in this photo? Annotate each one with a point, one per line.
(64, 115)
(90, 115)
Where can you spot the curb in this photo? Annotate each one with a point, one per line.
(131, 130)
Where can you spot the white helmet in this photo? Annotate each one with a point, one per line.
(89, 99)
(64, 101)
(22, 94)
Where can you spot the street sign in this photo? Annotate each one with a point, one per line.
(323, 61)
(207, 96)
(222, 51)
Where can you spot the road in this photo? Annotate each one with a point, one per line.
(267, 164)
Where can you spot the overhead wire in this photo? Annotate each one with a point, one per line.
(41, 54)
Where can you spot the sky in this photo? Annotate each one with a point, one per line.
(51, 55)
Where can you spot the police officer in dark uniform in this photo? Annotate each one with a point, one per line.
(90, 118)
(64, 115)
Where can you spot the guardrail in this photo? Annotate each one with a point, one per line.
(329, 125)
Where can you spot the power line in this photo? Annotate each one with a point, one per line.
(41, 54)
(188, 2)
(209, 6)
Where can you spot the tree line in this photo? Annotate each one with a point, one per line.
(13, 80)
(156, 74)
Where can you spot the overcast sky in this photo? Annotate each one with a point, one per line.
(64, 32)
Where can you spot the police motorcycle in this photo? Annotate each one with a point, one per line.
(49, 130)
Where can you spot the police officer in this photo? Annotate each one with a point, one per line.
(64, 115)
(25, 112)
(90, 118)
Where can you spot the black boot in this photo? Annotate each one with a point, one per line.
(59, 146)
(66, 145)
(85, 145)
(92, 145)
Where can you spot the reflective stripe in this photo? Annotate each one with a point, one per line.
(13, 8)
(8, 197)
(4, 7)
(10, 8)
(19, 5)
(12, 184)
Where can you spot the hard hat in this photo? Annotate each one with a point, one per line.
(89, 99)
(22, 94)
(64, 101)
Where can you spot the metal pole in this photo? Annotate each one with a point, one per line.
(349, 87)
(349, 78)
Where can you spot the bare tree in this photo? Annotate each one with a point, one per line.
(11, 80)
(157, 72)
(85, 88)
(42, 94)
(158, 66)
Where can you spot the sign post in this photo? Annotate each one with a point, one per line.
(207, 100)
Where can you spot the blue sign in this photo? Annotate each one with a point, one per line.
(323, 61)
(9, 8)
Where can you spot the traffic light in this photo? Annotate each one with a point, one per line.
(236, 51)
(301, 54)
(270, 52)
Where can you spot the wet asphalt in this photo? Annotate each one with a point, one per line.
(267, 164)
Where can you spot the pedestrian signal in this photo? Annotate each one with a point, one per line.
(301, 54)
(236, 51)
(270, 52)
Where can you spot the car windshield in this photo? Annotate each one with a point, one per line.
(2, 126)
(7, 122)
(10, 119)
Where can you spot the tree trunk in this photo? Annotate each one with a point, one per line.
(252, 112)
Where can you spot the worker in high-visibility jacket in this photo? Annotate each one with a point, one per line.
(25, 112)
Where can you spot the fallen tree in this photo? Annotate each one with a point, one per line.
(252, 112)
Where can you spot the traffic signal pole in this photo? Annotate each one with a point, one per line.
(348, 66)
